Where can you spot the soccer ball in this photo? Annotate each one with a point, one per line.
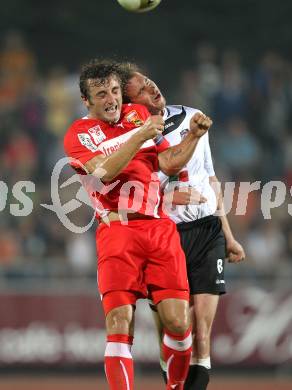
(139, 5)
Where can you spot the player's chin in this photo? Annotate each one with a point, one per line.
(113, 117)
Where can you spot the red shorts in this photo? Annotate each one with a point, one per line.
(141, 259)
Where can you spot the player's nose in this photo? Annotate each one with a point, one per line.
(111, 98)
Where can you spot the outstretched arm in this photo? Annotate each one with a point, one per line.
(172, 160)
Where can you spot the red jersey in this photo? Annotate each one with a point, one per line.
(137, 187)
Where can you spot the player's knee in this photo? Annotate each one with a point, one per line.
(178, 325)
(119, 320)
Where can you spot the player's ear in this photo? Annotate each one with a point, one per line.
(85, 101)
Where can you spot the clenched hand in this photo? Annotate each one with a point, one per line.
(200, 124)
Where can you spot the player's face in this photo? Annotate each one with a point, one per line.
(105, 99)
(142, 90)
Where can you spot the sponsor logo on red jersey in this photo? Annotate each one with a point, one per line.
(107, 150)
(97, 134)
(86, 141)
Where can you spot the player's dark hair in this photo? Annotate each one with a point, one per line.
(126, 72)
(99, 70)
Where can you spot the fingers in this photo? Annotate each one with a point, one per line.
(236, 257)
(203, 199)
(197, 116)
(156, 120)
(159, 128)
(187, 195)
(207, 123)
(181, 198)
(232, 258)
(202, 120)
(153, 127)
(196, 197)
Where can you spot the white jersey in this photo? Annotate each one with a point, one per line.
(199, 168)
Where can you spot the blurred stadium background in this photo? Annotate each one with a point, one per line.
(230, 58)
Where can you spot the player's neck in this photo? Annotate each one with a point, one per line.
(92, 116)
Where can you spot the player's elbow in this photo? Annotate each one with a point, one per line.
(167, 166)
(105, 177)
(169, 169)
(101, 171)
(108, 179)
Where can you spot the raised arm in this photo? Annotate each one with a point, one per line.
(172, 160)
(108, 167)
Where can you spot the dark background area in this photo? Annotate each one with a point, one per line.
(70, 32)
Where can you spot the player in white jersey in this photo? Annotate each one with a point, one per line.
(206, 239)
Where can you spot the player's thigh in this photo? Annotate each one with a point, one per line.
(206, 269)
(166, 265)
(120, 259)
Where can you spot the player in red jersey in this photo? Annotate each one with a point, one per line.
(139, 252)
(206, 239)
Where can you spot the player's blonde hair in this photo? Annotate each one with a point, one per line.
(126, 72)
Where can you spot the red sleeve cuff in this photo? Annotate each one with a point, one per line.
(161, 143)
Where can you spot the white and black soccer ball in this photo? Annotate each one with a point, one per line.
(139, 5)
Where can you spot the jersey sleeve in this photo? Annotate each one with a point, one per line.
(208, 163)
(161, 143)
(80, 147)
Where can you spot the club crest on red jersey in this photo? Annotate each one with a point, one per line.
(97, 134)
(133, 117)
